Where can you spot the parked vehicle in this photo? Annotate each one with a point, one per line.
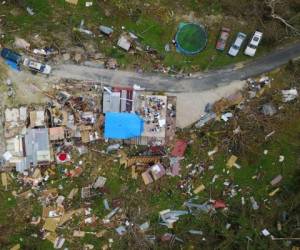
(221, 43)
(11, 55)
(253, 44)
(238, 42)
(37, 67)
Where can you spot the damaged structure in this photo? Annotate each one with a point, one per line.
(158, 113)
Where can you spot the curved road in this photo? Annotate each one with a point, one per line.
(201, 82)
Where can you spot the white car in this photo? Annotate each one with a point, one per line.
(235, 47)
(252, 46)
(37, 66)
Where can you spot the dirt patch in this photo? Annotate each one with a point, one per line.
(196, 102)
(28, 88)
(3, 70)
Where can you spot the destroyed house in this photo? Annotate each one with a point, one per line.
(117, 99)
(158, 113)
(29, 150)
(37, 147)
(37, 119)
(153, 110)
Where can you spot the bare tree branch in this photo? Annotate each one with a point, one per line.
(272, 5)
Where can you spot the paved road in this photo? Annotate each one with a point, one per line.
(201, 82)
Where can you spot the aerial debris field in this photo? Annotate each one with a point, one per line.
(93, 153)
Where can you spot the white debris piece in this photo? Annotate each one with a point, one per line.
(106, 205)
(225, 117)
(212, 152)
(265, 79)
(7, 156)
(60, 199)
(281, 158)
(145, 226)
(289, 95)
(243, 201)
(214, 178)
(254, 203)
(121, 230)
(169, 217)
(124, 43)
(265, 232)
(196, 232)
(21, 43)
(100, 182)
(113, 147)
(30, 11)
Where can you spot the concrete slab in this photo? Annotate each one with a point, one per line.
(190, 106)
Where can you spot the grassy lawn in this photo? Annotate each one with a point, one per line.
(155, 25)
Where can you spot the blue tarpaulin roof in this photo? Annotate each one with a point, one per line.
(122, 125)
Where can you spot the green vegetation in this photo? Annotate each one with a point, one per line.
(155, 24)
(141, 203)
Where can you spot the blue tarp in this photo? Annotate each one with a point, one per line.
(122, 125)
(12, 65)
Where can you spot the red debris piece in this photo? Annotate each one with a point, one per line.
(166, 237)
(157, 150)
(76, 172)
(219, 204)
(62, 156)
(179, 148)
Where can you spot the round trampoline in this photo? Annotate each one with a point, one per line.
(191, 38)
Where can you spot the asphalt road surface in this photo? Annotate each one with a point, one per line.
(201, 82)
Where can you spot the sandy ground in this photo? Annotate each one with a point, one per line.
(190, 106)
(28, 88)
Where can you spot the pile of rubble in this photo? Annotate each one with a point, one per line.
(44, 145)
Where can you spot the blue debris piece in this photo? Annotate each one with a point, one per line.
(122, 125)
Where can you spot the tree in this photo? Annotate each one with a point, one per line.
(271, 4)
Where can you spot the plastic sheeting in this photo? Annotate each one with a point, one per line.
(13, 65)
(122, 125)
